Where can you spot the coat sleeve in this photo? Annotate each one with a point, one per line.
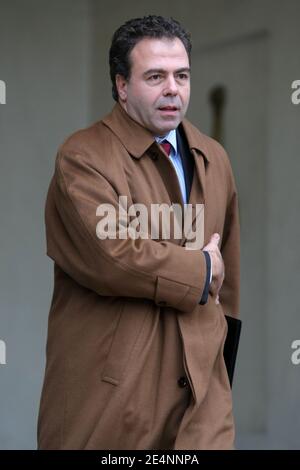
(161, 271)
(230, 250)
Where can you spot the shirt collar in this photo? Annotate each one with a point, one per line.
(169, 137)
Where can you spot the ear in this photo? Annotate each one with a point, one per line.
(121, 85)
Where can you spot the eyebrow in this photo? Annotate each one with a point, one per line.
(181, 70)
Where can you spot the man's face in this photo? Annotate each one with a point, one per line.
(158, 91)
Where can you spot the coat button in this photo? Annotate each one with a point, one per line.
(182, 382)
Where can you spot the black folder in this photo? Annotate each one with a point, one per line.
(231, 344)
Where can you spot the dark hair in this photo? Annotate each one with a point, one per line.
(131, 32)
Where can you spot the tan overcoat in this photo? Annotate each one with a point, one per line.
(133, 360)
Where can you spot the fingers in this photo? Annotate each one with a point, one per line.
(220, 286)
(218, 265)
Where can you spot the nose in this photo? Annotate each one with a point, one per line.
(171, 86)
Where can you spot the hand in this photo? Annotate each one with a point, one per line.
(217, 266)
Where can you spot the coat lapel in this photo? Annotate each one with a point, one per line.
(187, 160)
(198, 152)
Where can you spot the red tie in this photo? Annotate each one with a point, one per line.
(166, 146)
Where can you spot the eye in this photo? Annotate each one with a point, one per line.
(155, 77)
(183, 76)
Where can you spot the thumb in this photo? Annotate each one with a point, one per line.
(215, 238)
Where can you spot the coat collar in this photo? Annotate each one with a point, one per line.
(137, 139)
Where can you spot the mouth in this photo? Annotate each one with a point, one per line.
(168, 109)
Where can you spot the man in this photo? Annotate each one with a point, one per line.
(137, 325)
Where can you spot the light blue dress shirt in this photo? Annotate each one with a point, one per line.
(175, 158)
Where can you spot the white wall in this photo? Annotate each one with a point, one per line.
(43, 61)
